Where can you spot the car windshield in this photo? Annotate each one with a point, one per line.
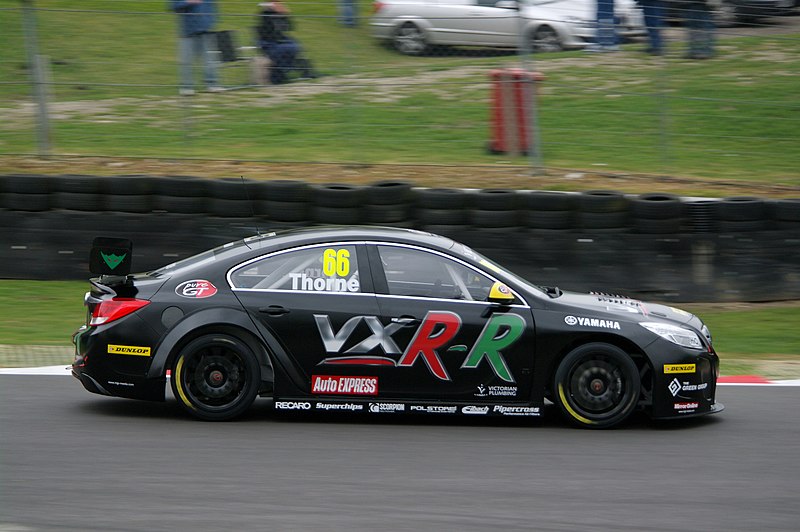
(492, 266)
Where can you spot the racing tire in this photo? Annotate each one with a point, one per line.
(742, 208)
(336, 216)
(602, 201)
(428, 216)
(138, 203)
(283, 211)
(442, 198)
(651, 226)
(130, 185)
(380, 214)
(78, 201)
(336, 195)
(548, 219)
(496, 199)
(389, 193)
(597, 386)
(18, 201)
(409, 39)
(215, 377)
(27, 183)
(656, 206)
(547, 200)
(787, 210)
(280, 190)
(493, 219)
(545, 39)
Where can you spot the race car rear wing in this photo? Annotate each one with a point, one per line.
(111, 256)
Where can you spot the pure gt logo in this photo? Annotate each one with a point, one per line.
(196, 289)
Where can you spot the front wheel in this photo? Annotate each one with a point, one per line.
(215, 377)
(545, 39)
(597, 386)
(409, 39)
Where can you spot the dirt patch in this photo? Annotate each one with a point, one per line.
(478, 176)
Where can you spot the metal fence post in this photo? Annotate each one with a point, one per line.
(37, 65)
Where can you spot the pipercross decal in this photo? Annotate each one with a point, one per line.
(591, 322)
(437, 329)
(112, 260)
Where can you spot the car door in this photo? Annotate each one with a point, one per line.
(309, 302)
(478, 23)
(449, 342)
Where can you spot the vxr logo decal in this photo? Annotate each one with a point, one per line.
(436, 330)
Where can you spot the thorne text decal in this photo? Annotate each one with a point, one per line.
(341, 385)
(196, 289)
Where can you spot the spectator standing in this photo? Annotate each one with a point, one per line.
(348, 13)
(700, 29)
(196, 20)
(653, 11)
(606, 33)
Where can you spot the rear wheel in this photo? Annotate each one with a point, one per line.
(215, 377)
(409, 39)
(545, 39)
(597, 385)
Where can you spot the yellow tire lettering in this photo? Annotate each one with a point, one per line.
(179, 385)
(569, 408)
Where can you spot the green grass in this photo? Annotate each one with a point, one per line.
(48, 312)
(732, 118)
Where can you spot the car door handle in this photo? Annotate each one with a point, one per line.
(405, 321)
(274, 310)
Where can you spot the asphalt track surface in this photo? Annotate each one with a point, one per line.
(70, 460)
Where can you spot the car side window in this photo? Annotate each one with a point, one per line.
(329, 268)
(417, 273)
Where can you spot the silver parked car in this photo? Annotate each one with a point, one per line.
(414, 26)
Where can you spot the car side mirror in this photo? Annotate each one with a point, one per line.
(501, 294)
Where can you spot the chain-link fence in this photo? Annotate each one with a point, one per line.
(456, 82)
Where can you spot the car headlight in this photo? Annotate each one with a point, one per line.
(675, 334)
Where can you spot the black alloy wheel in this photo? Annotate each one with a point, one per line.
(215, 377)
(597, 386)
(545, 39)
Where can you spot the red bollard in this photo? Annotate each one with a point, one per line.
(511, 105)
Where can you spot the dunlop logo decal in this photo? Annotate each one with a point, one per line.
(128, 350)
(679, 368)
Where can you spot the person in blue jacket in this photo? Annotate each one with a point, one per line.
(196, 20)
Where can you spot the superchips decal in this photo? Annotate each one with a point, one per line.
(437, 329)
(196, 289)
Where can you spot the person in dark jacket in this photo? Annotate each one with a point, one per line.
(196, 19)
(274, 40)
(653, 11)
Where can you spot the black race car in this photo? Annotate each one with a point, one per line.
(380, 321)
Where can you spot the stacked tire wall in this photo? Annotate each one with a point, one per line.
(655, 246)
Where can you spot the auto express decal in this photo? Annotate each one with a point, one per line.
(437, 329)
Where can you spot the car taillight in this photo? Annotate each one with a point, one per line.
(376, 7)
(114, 309)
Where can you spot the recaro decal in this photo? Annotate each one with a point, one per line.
(437, 329)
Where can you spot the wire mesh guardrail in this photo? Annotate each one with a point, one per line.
(407, 82)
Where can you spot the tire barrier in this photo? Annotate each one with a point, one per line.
(659, 246)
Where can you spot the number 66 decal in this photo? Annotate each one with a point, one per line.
(336, 262)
